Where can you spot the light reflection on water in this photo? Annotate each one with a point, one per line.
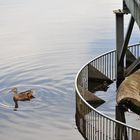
(43, 44)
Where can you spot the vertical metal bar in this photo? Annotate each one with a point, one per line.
(113, 69)
(111, 66)
(128, 133)
(106, 129)
(101, 123)
(110, 130)
(98, 63)
(115, 65)
(105, 64)
(90, 125)
(110, 70)
(95, 125)
(92, 120)
(113, 134)
(87, 116)
(108, 64)
(127, 38)
(135, 50)
(102, 65)
(98, 128)
(93, 63)
(103, 128)
(85, 121)
(119, 43)
(138, 53)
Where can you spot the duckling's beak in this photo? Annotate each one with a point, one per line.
(32, 96)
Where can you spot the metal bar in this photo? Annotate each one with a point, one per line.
(105, 64)
(127, 38)
(97, 130)
(110, 67)
(119, 43)
(94, 126)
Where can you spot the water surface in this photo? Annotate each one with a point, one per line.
(43, 45)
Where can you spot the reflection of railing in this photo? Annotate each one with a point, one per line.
(92, 124)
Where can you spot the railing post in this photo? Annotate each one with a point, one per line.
(120, 66)
(121, 131)
(119, 42)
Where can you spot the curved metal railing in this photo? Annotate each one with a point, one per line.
(91, 123)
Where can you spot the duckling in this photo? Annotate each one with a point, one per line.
(22, 96)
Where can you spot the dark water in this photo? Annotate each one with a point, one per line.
(43, 44)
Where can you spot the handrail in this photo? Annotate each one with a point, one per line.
(86, 114)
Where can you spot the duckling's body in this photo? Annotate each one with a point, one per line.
(22, 96)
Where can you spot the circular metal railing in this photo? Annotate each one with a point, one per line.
(91, 123)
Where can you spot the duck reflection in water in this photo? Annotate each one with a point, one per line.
(22, 96)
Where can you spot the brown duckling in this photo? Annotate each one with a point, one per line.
(22, 96)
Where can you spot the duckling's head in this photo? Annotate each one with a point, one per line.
(14, 90)
(30, 95)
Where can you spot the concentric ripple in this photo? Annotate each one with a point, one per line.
(42, 98)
